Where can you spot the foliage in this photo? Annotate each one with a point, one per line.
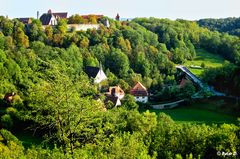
(6, 121)
(181, 37)
(188, 90)
(228, 74)
(129, 102)
(204, 59)
(56, 99)
(228, 25)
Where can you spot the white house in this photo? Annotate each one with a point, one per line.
(140, 93)
(96, 73)
(83, 27)
(50, 18)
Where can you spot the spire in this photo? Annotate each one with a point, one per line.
(107, 23)
(37, 14)
(100, 66)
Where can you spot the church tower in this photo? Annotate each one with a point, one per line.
(117, 17)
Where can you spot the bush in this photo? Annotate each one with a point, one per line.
(203, 65)
(8, 136)
(6, 121)
(12, 111)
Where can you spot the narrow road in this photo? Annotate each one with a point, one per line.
(198, 81)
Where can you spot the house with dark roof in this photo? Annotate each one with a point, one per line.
(140, 93)
(114, 100)
(96, 73)
(25, 20)
(50, 18)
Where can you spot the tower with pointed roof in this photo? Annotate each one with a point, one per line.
(117, 17)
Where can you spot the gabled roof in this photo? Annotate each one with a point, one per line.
(183, 82)
(92, 71)
(139, 90)
(60, 15)
(45, 18)
(25, 20)
(115, 90)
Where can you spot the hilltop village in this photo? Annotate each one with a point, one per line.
(78, 22)
(75, 22)
(83, 23)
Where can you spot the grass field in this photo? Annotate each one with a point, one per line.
(208, 112)
(209, 59)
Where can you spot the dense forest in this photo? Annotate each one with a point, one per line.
(56, 100)
(227, 25)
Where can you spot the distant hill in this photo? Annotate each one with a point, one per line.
(228, 25)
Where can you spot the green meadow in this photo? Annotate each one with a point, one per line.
(208, 111)
(210, 60)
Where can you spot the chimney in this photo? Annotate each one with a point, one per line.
(37, 14)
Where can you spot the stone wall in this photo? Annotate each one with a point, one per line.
(83, 27)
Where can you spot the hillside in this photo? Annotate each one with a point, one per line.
(45, 90)
(203, 61)
(227, 25)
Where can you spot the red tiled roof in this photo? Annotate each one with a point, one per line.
(115, 89)
(183, 82)
(138, 93)
(87, 16)
(139, 90)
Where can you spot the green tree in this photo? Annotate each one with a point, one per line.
(130, 102)
(6, 121)
(76, 19)
(118, 63)
(62, 107)
(21, 38)
(62, 26)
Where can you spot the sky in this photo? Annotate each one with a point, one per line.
(172, 9)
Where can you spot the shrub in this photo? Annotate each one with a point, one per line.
(8, 136)
(6, 121)
(12, 111)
